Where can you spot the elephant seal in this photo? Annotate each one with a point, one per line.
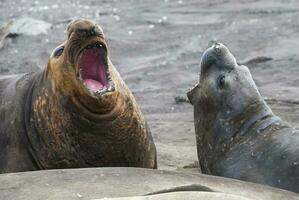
(77, 112)
(184, 196)
(237, 134)
(131, 183)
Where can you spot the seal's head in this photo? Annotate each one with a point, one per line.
(81, 67)
(226, 100)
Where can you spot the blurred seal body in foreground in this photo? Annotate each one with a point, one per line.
(237, 134)
(144, 184)
(77, 112)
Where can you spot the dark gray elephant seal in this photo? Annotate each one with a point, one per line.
(77, 112)
(237, 134)
(131, 183)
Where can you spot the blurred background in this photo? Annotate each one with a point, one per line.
(156, 46)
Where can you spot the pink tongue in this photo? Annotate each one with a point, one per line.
(93, 84)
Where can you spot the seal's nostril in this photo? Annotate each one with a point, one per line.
(87, 32)
(82, 32)
(217, 47)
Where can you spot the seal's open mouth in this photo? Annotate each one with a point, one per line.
(93, 69)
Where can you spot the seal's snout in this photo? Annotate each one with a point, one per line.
(219, 49)
(84, 28)
(219, 55)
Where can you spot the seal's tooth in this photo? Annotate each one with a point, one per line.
(101, 92)
(110, 88)
(80, 76)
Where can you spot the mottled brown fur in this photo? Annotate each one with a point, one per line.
(63, 125)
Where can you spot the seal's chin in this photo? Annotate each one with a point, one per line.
(93, 69)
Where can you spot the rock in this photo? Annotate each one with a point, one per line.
(29, 26)
(256, 60)
(4, 32)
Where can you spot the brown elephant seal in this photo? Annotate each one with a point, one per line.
(237, 134)
(131, 183)
(77, 112)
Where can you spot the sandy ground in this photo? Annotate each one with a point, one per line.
(157, 44)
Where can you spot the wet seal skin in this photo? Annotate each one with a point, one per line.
(237, 134)
(77, 112)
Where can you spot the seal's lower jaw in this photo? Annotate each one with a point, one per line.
(93, 70)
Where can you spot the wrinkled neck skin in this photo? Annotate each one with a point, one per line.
(219, 128)
(60, 108)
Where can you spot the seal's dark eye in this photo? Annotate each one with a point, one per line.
(221, 81)
(58, 51)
